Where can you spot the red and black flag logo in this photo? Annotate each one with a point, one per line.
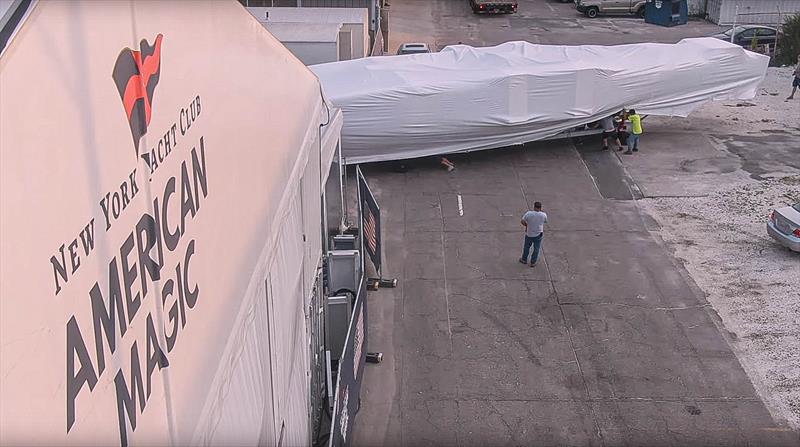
(136, 74)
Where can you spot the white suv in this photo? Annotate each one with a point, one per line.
(413, 48)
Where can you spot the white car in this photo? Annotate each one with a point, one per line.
(784, 226)
(413, 48)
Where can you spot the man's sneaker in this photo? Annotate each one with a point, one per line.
(621, 149)
(636, 150)
(605, 148)
(533, 264)
(628, 152)
(522, 261)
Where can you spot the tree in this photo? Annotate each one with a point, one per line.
(789, 44)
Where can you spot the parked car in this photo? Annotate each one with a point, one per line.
(593, 8)
(413, 48)
(784, 226)
(493, 6)
(744, 34)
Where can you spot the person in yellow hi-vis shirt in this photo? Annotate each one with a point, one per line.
(636, 131)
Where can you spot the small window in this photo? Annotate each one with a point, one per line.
(748, 34)
(766, 32)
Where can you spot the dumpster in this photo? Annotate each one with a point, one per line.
(666, 12)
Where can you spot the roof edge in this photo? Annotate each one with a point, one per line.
(11, 21)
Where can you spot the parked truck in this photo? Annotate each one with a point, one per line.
(593, 8)
(493, 7)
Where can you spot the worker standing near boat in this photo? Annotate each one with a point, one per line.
(636, 131)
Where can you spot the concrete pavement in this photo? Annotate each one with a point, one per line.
(606, 342)
(447, 22)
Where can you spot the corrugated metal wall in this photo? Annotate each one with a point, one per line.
(338, 3)
(696, 7)
(372, 5)
(765, 12)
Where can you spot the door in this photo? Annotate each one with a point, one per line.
(745, 38)
(345, 45)
(615, 6)
(766, 36)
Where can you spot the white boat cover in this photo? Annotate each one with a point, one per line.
(465, 99)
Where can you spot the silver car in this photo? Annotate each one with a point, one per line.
(784, 226)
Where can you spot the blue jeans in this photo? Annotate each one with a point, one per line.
(633, 142)
(537, 245)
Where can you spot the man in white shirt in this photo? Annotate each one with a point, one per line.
(533, 221)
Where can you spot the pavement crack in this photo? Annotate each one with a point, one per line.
(597, 429)
(516, 337)
(635, 306)
(444, 275)
(511, 431)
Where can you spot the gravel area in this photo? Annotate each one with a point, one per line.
(752, 282)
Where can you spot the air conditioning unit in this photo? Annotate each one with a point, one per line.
(337, 319)
(343, 271)
(342, 275)
(344, 242)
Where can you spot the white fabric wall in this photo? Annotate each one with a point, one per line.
(237, 373)
(274, 337)
(244, 402)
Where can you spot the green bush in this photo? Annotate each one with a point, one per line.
(789, 44)
(754, 44)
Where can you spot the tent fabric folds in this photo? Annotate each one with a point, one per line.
(464, 98)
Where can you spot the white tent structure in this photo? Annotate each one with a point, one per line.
(161, 229)
(464, 99)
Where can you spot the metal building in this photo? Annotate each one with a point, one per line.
(374, 6)
(353, 33)
(765, 12)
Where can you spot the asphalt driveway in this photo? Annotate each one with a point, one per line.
(606, 342)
